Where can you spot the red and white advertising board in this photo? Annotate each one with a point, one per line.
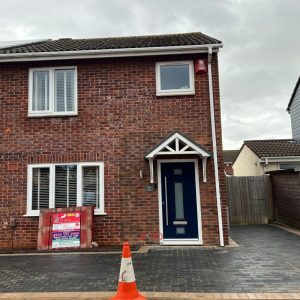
(65, 230)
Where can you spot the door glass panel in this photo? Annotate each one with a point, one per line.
(180, 230)
(179, 211)
(177, 171)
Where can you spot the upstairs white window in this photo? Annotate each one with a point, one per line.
(53, 91)
(65, 185)
(175, 78)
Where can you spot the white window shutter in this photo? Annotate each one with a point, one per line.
(65, 185)
(40, 188)
(40, 91)
(90, 186)
(64, 99)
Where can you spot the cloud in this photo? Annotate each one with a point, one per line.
(259, 64)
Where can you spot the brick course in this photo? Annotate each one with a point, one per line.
(119, 119)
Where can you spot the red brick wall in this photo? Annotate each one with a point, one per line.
(286, 197)
(119, 120)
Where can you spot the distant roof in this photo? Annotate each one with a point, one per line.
(293, 94)
(229, 156)
(274, 148)
(68, 44)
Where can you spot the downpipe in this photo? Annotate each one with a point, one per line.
(215, 152)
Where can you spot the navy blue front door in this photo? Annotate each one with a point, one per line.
(179, 208)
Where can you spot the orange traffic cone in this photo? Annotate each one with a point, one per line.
(127, 289)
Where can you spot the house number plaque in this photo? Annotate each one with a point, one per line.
(149, 187)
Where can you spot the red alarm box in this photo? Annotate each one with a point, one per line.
(200, 66)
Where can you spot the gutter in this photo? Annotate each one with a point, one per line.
(106, 53)
(267, 160)
(215, 154)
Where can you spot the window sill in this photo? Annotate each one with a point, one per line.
(49, 115)
(32, 214)
(37, 213)
(174, 93)
(99, 213)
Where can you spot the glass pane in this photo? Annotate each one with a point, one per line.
(177, 171)
(287, 166)
(40, 188)
(40, 91)
(90, 188)
(64, 90)
(65, 186)
(179, 210)
(180, 230)
(174, 77)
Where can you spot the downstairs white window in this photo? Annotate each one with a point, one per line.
(65, 185)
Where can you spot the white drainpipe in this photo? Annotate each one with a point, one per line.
(214, 140)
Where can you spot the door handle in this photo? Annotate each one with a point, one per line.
(166, 199)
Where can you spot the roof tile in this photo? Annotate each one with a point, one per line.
(67, 44)
(229, 156)
(273, 148)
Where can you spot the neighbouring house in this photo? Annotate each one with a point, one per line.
(229, 157)
(129, 125)
(258, 157)
(294, 110)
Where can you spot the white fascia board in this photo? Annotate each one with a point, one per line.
(106, 53)
(280, 159)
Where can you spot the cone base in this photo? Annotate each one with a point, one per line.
(138, 297)
(128, 291)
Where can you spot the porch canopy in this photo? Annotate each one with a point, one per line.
(178, 144)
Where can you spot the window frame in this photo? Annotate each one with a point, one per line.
(51, 112)
(173, 92)
(34, 213)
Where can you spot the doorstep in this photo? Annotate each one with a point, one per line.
(149, 295)
(232, 244)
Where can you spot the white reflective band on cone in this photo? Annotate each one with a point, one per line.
(126, 271)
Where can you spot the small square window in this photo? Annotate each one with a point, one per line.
(52, 92)
(175, 78)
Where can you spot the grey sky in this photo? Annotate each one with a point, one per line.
(259, 64)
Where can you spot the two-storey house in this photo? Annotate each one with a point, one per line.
(129, 125)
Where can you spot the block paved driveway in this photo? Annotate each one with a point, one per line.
(267, 260)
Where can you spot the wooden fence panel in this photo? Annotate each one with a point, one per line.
(249, 199)
(286, 197)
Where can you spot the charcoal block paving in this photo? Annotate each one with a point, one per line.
(267, 260)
